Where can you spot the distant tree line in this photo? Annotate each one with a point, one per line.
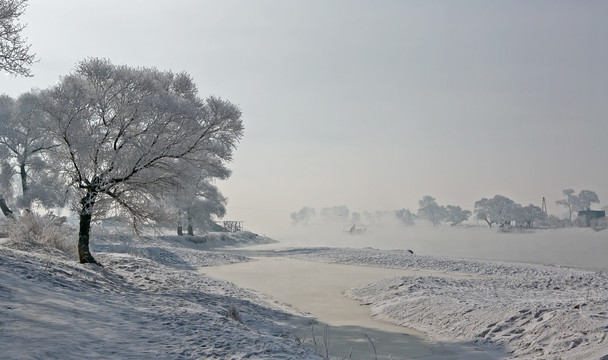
(498, 210)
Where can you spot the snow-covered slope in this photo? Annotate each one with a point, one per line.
(144, 303)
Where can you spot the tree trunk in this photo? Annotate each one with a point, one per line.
(24, 187)
(5, 210)
(84, 254)
(190, 227)
(180, 228)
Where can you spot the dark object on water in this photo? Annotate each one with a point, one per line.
(356, 230)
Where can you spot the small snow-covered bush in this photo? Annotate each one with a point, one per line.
(48, 231)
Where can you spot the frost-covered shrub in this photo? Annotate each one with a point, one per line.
(48, 231)
(599, 224)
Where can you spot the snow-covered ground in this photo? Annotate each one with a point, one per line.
(147, 301)
(150, 301)
(528, 311)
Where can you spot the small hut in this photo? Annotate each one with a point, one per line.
(588, 217)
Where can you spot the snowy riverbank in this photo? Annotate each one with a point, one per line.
(144, 303)
(151, 301)
(529, 311)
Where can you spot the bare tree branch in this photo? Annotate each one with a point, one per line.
(15, 56)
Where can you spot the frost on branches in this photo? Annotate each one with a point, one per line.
(15, 56)
(23, 148)
(129, 138)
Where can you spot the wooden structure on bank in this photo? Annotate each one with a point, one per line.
(233, 226)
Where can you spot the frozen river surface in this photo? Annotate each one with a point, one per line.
(317, 288)
(582, 248)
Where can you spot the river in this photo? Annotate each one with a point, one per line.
(317, 288)
(582, 248)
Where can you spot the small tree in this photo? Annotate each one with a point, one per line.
(209, 202)
(303, 216)
(128, 138)
(431, 211)
(25, 144)
(15, 56)
(456, 215)
(569, 202)
(528, 214)
(335, 214)
(199, 200)
(405, 216)
(497, 210)
(585, 198)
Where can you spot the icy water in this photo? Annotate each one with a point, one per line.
(317, 288)
(581, 248)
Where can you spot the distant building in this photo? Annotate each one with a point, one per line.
(587, 217)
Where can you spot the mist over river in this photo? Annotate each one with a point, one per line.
(582, 248)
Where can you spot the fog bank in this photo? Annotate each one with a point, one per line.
(582, 248)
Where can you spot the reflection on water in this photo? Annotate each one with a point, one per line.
(573, 247)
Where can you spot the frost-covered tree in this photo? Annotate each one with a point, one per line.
(15, 56)
(128, 139)
(198, 200)
(528, 214)
(585, 198)
(579, 202)
(335, 214)
(431, 211)
(497, 210)
(405, 217)
(303, 215)
(25, 144)
(569, 202)
(456, 215)
(210, 202)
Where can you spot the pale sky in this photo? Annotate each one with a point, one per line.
(369, 104)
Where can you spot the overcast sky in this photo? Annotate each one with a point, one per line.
(369, 104)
